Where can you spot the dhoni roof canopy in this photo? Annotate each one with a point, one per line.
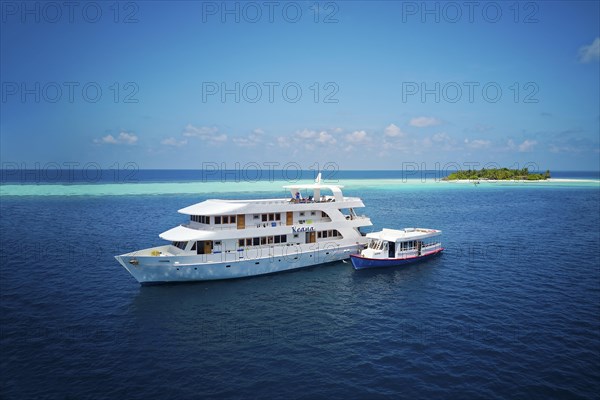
(395, 235)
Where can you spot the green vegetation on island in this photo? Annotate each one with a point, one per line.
(500, 174)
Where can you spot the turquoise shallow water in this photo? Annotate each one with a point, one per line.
(510, 310)
(161, 188)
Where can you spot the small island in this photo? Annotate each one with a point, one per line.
(500, 174)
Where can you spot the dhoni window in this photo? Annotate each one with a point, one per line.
(180, 245)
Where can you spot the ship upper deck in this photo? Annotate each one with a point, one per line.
(223, 207)
(297, 202)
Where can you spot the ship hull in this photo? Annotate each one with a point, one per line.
(156, 270)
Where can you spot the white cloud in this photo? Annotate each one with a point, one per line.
(108, 139)
(441, 137)
(357, 136)
(173, 142)
(123, 138)
(309, 139)
(422, 122)
(393, 131)
(251, 140)
(208, 133)
(591, 52)
(306, 134)
(478, 143)
(283, 141)
(199, 131)
(325, 137)
(527, 145)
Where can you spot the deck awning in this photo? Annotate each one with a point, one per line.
(184, 234)
(213, 207)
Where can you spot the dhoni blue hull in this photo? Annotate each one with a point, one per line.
(360, 262)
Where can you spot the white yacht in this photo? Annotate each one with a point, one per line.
(240, 238)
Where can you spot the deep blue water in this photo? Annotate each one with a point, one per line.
(510, 310)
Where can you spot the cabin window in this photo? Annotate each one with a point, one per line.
(324, 234)
(256, 216)
(313, 213)
(263, 240)
(319, 235)
(232, 219)
(180, 245)
(255, 241)
(277, 217)
(241, 242)
(295, 236)
(201, 219)
(302, 213)
(277, 239)
(228, 219)
(248, 242)
(217, 220)
(324, 214)
(271, 217)
(283, 238)
(193, 247)
(270, 239)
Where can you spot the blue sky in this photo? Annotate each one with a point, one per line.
(382, 84)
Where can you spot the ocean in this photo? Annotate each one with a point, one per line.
(511, 309)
